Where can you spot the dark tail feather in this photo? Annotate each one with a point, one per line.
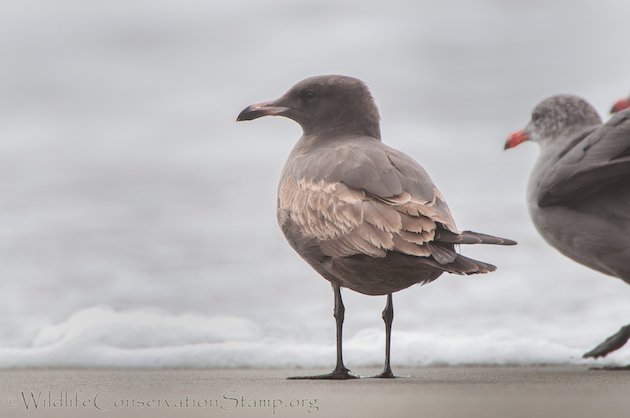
(461, 265)
(469, 237)
(441, 253)
(465, 265)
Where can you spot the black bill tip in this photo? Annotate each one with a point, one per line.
(259, 110)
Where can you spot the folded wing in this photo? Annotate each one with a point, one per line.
(590, 163)
(371, 201)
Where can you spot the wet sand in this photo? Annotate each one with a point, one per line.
(540, 391)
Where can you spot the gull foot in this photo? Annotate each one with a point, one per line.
(386, 374)
(337, 374)
(611, 343)
(611, 368)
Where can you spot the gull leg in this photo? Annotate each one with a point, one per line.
(340, 372)
(388, 317)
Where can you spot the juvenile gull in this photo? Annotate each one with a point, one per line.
(365, 216)
(579, 189)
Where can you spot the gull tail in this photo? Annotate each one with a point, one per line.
(470, 237)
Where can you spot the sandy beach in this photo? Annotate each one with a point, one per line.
(558, 391)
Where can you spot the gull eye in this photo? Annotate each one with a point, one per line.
(308, 95)
(536, 116)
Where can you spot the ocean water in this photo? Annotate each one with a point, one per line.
(137, 219)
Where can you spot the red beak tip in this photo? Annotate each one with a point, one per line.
(620, 105)
(515, 139)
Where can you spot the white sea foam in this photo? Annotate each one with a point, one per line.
(102, 337)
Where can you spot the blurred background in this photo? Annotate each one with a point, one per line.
(126, 238)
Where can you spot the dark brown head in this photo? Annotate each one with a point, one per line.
(329, 105)
(556, 117)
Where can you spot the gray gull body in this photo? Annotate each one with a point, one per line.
(579, 189)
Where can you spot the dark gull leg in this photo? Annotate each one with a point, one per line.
(340, 372)
(388, 317)
(611, 343)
